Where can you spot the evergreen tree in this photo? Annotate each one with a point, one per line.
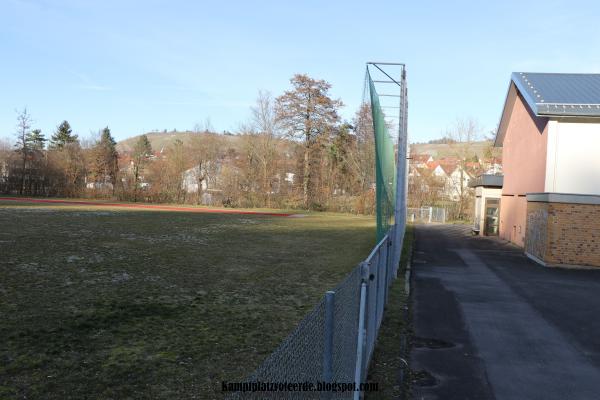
(62, 136)
(142, 148)
(36, 140)
(105, 163)
(37, 161)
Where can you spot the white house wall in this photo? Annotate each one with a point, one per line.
(481, 194)
(573, 158)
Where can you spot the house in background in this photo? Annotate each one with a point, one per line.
(207, 176)
(420, 160)
(488, 192)
(492, 166)
(458, 180)
(550, 134)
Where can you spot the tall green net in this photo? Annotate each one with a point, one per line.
(385, 165)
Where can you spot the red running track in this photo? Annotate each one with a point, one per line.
(143, 206)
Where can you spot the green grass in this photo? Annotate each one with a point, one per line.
(387, 357)
(115, 304)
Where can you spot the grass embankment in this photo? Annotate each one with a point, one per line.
(120, 303)
(388, 356)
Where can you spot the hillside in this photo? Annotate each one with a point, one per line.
(160, 140)
(445, 150)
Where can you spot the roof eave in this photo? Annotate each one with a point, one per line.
(509, 100)
(570, 113)
(533, 105)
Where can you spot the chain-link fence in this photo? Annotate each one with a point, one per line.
(335, 341)
(426, 215)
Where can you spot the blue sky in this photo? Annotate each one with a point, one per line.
(137, 66)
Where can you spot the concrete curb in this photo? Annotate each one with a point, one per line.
(564, 266)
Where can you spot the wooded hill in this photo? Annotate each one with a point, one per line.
(440, 150)
(164, 140)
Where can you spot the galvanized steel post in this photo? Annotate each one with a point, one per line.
(401, 169)
(328, 336)
(361, 340)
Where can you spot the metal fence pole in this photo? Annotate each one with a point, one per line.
(328, 337)
(388, 269)
(371, 307)
(360, 343)
(377, 293)
(369, 314)
(382, 284)
(386, 274)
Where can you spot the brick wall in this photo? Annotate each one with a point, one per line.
(572, 233)
(536, 242)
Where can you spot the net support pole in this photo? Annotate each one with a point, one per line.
(401, 168)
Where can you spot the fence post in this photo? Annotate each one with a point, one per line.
(377, 295)
(383, 279)
(367, 316)
(430, 212)
(361, 340)
(328, 337)
(389, 271)
(385, 269)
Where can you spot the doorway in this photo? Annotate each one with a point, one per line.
(492, 217)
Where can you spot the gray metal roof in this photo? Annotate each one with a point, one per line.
(487, 180)
(552, 94)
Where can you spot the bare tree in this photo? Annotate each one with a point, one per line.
(5, 161)
(105, 162)
(424, 188)
(177, 164)
(363, 158)
(203, 127)
(24, 122)
(306, 112)
(463, 134)
(204, 154)
(264, 122)
(142, 150)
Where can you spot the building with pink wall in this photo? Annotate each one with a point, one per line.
(550, 137)
(523, 138)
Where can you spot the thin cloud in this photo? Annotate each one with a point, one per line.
(86, 83)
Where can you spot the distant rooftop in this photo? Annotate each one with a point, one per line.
(553, 94)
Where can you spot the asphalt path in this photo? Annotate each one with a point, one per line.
(491, 324)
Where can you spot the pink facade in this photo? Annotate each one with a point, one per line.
(524, 158)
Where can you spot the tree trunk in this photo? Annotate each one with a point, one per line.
(306, 180)
(199, 181)
(266, 184)
(136, 174)
(461, 196)
(23, 172)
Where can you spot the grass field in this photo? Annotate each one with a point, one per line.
(121, 303)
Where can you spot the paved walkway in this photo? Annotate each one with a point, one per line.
(491, 324)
